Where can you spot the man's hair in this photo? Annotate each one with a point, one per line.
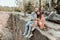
(36, 7)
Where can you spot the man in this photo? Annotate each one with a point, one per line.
(31, 23)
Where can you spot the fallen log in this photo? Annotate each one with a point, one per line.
(54, 18)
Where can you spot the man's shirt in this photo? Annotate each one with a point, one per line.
(33, 16)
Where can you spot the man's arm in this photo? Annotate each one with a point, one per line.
(32, 16)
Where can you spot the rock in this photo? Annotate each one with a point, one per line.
(16, 27)
(5, 34)
(3, 19)
(52, 25)
(54, 29)
(38, 36)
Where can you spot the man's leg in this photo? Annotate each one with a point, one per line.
(29, 30)
(30, 27)
(26, 28)
(34, 25)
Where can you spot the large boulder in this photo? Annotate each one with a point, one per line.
(5, 34)
(38, 36)
(54, 18)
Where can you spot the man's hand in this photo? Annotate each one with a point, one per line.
(38, 19)
(34, 19)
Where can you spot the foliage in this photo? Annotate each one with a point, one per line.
(17, 10)
(29, 7)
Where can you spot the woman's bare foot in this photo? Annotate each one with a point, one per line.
(45, 29)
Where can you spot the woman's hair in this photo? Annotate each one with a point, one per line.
(40, 15)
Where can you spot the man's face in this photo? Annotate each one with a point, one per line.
(36, 9)
(38, 13)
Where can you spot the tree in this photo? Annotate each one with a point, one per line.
(20, 5)
(29, 7)
(40, 4)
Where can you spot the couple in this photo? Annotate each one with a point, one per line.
(36, 18)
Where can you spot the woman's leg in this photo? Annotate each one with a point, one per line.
(40, 25)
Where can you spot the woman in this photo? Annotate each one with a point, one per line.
(40, 20)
